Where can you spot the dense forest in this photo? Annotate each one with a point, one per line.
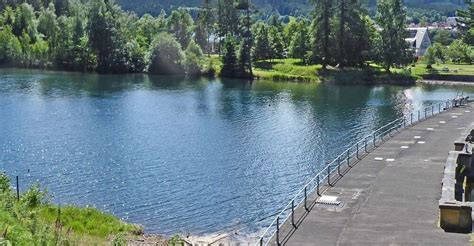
(294, 7)
(97, 35)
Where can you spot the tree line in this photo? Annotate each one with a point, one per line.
(97, 35)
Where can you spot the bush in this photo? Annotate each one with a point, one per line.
(192, 61)
(166, 56)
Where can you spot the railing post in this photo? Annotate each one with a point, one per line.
(17, 189)
(261, 241)
(317, 186)
(348, 158)
(432, 110)
(411, 118)
(329, 175)
(425, 113)
(365, 145)
(404, 122)
(374, 140)
(439, 108)
(305, 198)
(293, 213)
(278, 232)
(357, 150)
(418, 115)
(339, 166)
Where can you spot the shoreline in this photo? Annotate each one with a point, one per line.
(445, 82)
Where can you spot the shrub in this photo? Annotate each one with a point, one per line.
(166, 56)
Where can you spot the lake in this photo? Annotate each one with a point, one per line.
(185, 155)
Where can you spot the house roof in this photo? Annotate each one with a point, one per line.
(418, 37)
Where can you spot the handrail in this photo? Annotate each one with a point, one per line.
(325, 174)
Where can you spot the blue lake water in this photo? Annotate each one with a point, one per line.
(184, 155)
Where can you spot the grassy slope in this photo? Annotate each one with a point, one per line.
(32, 221)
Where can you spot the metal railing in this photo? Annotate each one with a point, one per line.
(353, 153)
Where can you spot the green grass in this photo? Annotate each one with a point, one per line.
(34, 221)
(286, 69)
(295, 70)
(87, 221)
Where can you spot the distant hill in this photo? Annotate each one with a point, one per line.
(284, 7)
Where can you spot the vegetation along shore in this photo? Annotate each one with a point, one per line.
(32, 218)
(347, 42)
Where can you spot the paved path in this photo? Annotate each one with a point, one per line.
(390, 202)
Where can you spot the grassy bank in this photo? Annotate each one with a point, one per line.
(32, 220)
(295, 70)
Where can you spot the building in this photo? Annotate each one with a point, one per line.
(451, 21)
(419, 40)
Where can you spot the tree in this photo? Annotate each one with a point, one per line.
(459, 52)
(25, 21)
(166, 56)
(392, 49)
(231, 67)
(466, 22)
(203, 29)
(430, 57)
(180, 24)
(47, 23)
(355, 35)
(227, 18)
(193, 56)
(277, 48)
(245, 58)
(321, 30)
(299, 45)
(148, 27)
(443, 37)
(10, 47)
(105, 38)
(262, 49)
(438, 51)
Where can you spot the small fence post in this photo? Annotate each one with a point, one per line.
(305, 198)
(425, 113)
(317, 186)
(17, 189)
(357, 150)
(374, 139)
(339, 166)
(365, 145)
(404, 122)
(329, 175)
(418, 115)
(439, 108)
(411, 118)
(261, 241)
(348, 158)
(432, 110)
(293, 213)
(278, 232)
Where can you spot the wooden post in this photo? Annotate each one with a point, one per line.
(17, 189)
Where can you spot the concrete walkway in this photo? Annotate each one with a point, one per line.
(394, 201)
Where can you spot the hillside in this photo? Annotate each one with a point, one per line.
(284, 7)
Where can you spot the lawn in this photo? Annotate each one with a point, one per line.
(295, 70)
(447, 69)
(286, 69)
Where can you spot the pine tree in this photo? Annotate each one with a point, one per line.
(262, 49)
(391, 45)
(322, 30)
(231, 67)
